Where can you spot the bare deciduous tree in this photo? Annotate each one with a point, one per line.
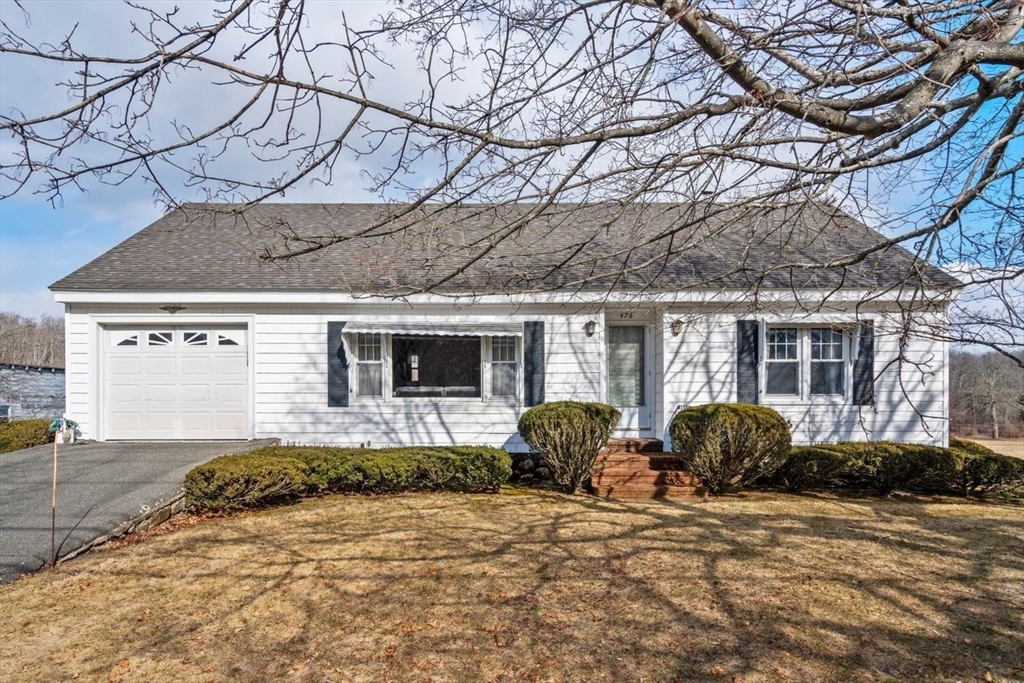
(27, 341)
(906, 114)
(982, 394)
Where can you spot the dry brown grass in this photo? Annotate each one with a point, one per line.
(1014, 447)
(539, 587)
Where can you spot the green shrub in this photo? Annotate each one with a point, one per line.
(569, 435)
(981, 474)
(886, 466)
(270, 474)
(810, 467)
(15, 436)
(969, 447)
(244, 480)
(730, 445)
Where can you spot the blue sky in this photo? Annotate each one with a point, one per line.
(39, 244)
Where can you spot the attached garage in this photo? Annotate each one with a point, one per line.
(188, 382)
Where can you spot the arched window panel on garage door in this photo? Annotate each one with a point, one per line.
(124, 337)
(195, 338)
(231, 337)
(160, 338)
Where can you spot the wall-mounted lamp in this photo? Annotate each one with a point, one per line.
(590, 327)
(676, 327)
(172, 309)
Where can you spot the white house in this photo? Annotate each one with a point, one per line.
(448, 334)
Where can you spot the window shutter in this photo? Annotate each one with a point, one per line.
(864, 367)
(533, 362)
(746, 361)
(337, 366)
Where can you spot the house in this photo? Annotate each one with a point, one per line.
(30, 391)
(447, 332)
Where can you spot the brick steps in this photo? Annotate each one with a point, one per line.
(644, 477)
(637, 468)
(628, 491)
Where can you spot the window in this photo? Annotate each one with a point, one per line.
(160, 338)
(435, 366)
(805, 362)
(124, 338)
(782, 365)
(195, 338)
(504, 367)
(369, 365)
(827, 362)
(409, 365)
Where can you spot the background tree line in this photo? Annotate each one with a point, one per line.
(986, 394)
(32, 341)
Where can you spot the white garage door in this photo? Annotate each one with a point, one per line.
(187, 382)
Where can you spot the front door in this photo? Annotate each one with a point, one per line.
(629, 376)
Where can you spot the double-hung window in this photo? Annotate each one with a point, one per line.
(369, 365)
(804, 362)
(504, 367)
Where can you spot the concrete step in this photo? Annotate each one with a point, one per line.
(634, 491)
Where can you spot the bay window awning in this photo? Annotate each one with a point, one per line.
(439, 328)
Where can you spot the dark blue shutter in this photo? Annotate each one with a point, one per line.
(533, 362)
(337, 366)
(864, 367)
(746, 361)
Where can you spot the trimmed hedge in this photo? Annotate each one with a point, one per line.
(15, 436)
(811, 467)
(730, 445)
(569, 435)
(887, 467)
(970, 447)
(274, 473)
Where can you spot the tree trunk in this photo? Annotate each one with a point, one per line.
(995, 420)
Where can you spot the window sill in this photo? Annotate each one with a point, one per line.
(824, 400)
(413, 400)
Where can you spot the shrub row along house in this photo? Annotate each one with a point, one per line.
(445, 331)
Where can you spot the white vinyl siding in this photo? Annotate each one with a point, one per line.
(288, 368)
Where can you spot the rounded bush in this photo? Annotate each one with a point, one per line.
(569, 435)
(20, 434)
(730, 445)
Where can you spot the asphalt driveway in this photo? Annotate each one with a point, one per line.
(99, 487)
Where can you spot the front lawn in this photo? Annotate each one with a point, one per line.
(539, 586)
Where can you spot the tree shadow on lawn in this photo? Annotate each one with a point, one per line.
(552, 587)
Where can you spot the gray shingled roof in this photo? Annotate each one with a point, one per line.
(498, 249)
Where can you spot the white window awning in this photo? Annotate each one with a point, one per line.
(439, 328)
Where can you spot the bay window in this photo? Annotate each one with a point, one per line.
(804, 362)
(406, 365)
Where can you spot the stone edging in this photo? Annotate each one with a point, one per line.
(147, 520)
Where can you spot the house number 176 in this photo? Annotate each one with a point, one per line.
(626, 316)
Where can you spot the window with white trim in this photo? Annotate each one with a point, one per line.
(828, 362)
(434, 366)
(804, 362)
(369, 365)
(782, 362)
(504, 367)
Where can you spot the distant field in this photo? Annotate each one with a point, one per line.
(1013, 447)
